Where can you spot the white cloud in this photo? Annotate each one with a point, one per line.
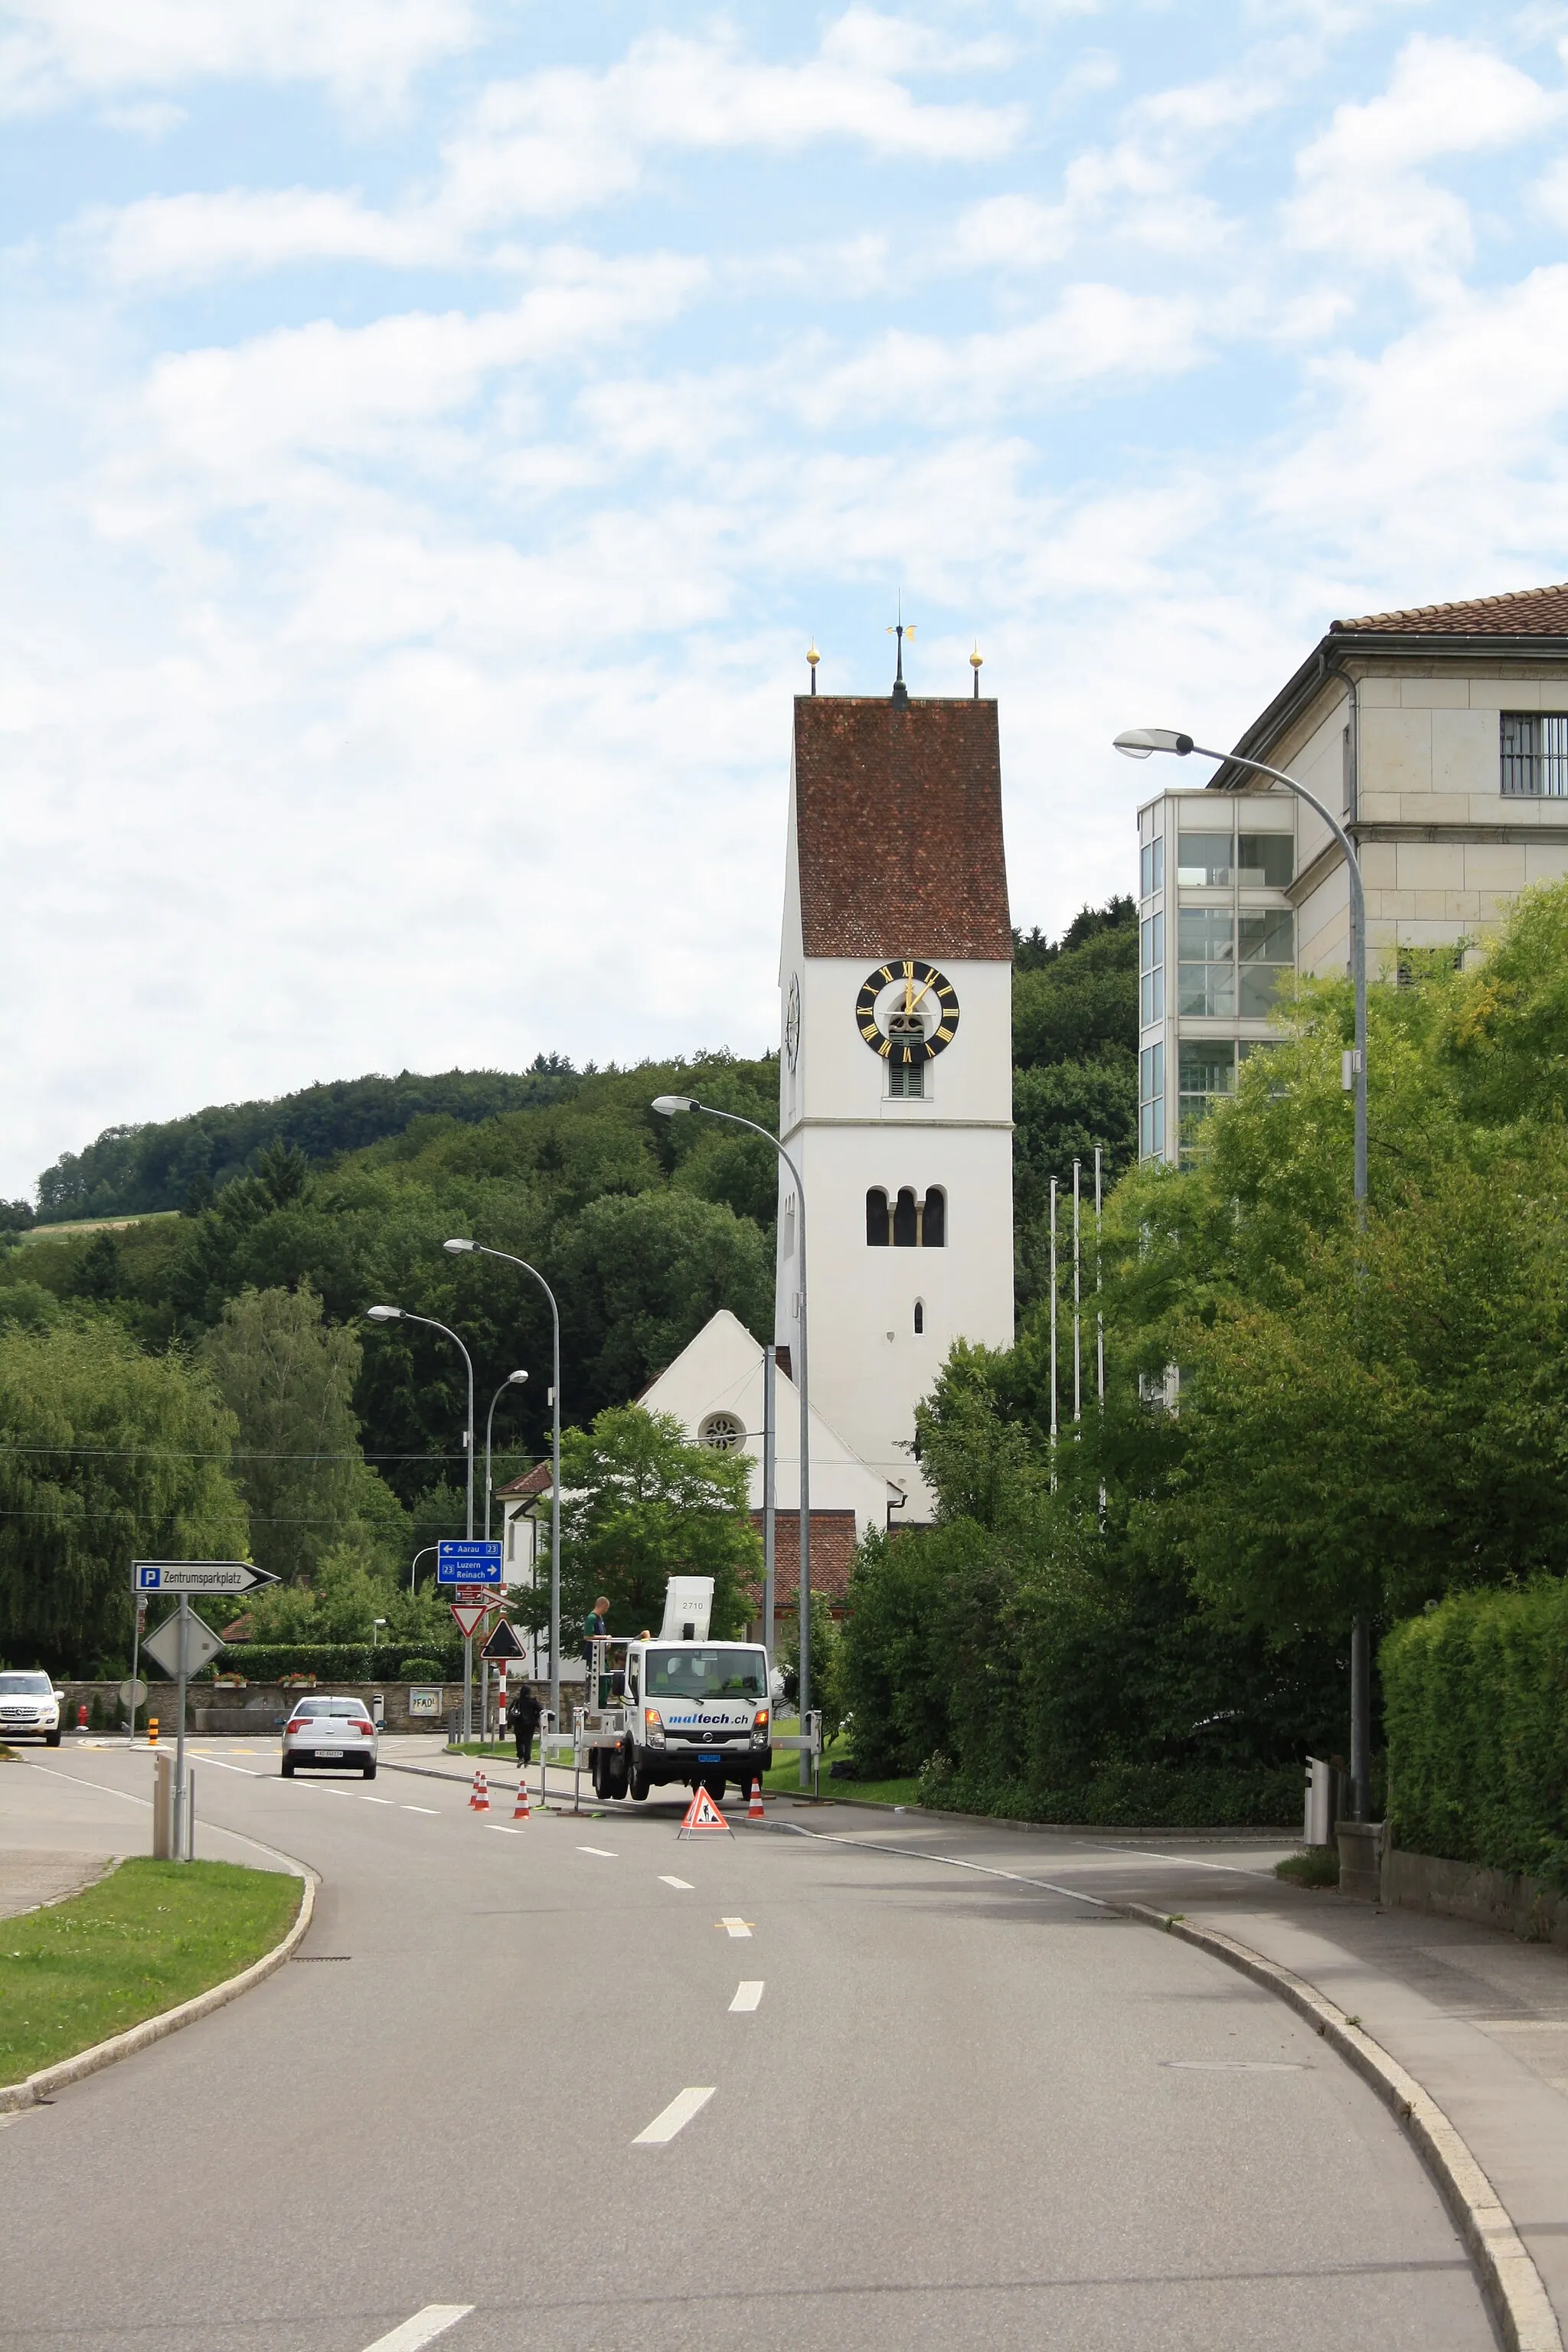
(54, 50)
(559, 140)
(237, 412)
(171, 241)
(1363, 195)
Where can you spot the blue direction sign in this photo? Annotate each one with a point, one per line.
(459, 1561)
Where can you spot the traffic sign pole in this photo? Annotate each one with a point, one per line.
(135, 1652)
(180, 1739)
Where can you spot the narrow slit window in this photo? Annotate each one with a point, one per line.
(920, 1316)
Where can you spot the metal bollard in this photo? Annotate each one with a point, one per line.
(152, 1731)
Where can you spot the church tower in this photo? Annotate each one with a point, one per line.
(896, 1076)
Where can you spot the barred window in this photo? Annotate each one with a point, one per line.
(1534, 754)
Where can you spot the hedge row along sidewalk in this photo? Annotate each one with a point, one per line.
(141, 1943)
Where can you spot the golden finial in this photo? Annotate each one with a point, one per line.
(977, 663)
(812, 657)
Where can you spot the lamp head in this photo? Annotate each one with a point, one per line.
(383, 1314)
(667, 1105)
(1137, 742)
(457, 1249)
(516, 1379)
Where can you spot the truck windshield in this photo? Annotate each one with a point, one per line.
(693, 1672)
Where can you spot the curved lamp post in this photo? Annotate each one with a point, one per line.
(512, 1381)
(403, 1315)
(478, 1249)
(668, 1106)
(1137, 743)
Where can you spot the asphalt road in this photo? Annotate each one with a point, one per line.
(955, 2109)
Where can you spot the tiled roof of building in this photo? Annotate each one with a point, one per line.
(899, 811)
(832, 1557)
(1527, 612)
(522, 1490)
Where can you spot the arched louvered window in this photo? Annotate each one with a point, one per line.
(879, 1224)
(933, 1219)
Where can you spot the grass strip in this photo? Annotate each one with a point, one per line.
(1319, 1865)
(148, 1936)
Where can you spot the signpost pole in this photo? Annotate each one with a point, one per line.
(468, 1686)
(135, 1654)
(180, 1791)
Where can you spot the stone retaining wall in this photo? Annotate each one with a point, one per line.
(1504, 1899)
(262, 1708)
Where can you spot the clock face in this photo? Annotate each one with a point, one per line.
(907, 1011)
(792, 1021)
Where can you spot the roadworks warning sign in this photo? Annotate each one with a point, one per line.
(702, 1814)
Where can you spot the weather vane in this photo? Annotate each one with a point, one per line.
(813, 657)
(901, 629)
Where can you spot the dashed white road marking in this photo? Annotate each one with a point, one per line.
(736, 1927)
(503, 1829)
(378, 1800)
(684, 1884)
(229, 1768)
(434, 1810)
(748, 1994)
(423, 2328)
(602, 1851)
(664, 2127)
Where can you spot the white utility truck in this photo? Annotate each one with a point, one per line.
(676, 1709)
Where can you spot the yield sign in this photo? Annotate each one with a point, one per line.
(470, 1615)
(702, 1813)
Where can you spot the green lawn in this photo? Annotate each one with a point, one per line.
(148, 1936)
(784, 1778)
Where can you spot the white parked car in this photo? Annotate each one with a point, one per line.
(30, 1707)
(336, 1734)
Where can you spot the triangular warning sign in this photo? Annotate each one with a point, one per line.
(702, 1813)
(503, 1643)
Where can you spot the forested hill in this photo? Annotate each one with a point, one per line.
(179, 1162)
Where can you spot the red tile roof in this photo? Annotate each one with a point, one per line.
(899, 817)
(533, 1482)
(1527, 612)
(832, 1557)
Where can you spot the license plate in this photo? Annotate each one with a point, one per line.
(714, 1759)
(331, 1755)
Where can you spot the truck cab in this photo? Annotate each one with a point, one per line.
(689, 1713)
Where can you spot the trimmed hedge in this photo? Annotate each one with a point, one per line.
(335, 1662)
(1475, 1698)
(1133, 1796)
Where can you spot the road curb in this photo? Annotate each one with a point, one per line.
(41, 2086)
(1510, 2280)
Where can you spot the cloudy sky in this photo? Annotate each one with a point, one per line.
(437, 427)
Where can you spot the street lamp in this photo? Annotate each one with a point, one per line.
(404, 1314)
(667, 1107)
(512, 1381)
(1137, 743)
(414, 1563)
(478, 1249)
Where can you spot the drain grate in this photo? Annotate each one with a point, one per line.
(311, 1959)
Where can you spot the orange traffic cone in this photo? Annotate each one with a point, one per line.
(520, 1811)
(479, 1799)
(754, 1810)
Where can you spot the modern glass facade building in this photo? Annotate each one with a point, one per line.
(1439, 738)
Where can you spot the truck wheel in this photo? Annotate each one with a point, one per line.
(641, 1782)
(714, 1784)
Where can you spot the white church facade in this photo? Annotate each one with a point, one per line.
(895, 1104)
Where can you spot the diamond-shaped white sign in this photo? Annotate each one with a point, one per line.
(202, 1645)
